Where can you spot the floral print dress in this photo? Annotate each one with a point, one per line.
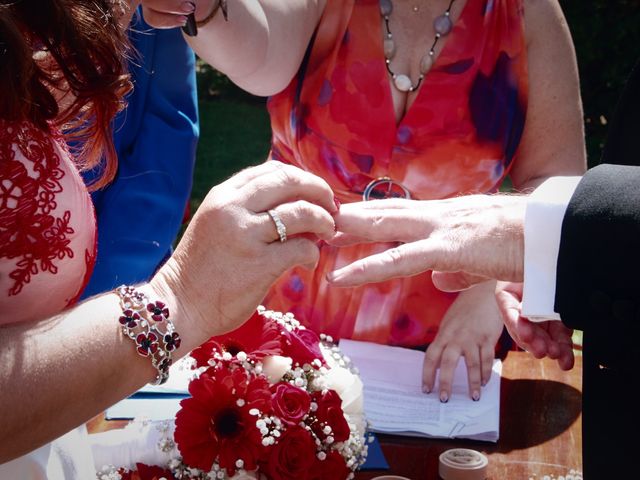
(461, 135)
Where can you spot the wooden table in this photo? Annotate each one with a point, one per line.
(540, 428)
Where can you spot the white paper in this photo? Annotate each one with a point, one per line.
(394, 401)
(160, 408)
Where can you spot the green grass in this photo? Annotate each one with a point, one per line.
(233, 135)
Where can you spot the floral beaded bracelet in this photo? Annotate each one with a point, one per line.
(147, 323)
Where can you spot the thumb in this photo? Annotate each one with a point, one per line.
(455, 281)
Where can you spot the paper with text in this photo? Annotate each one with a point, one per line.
(394, 401)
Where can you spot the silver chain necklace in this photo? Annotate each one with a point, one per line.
(442, 25)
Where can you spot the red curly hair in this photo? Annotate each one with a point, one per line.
(62, 66)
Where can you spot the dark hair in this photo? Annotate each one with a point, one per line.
(62, 65)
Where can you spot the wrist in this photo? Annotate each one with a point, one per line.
(166, 285)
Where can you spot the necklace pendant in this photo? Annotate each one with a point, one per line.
(389, 48)
(443, 25)
(386, 7)
(402, 83)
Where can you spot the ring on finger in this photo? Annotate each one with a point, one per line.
(280, 226)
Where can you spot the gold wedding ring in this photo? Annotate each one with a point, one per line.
(280, 227)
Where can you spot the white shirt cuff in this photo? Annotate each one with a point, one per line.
(546, 207)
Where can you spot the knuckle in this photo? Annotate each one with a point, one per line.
(394, 255)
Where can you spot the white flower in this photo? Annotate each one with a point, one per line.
(275, 366)
(351, 391)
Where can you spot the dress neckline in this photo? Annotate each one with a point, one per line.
(444, 53)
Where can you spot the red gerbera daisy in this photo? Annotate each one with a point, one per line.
(215, 424)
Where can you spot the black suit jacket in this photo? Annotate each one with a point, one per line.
(598, 291)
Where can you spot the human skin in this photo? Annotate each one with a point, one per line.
(74, 365)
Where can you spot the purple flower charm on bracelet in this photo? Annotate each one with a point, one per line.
(147, 343)
(172, 341)
(158, 310)
(147, 323)
(129, 318)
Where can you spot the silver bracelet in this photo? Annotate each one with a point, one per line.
(147, 323)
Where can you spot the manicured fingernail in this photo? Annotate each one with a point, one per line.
(188, 7)
(475, 396)
(190, 28)
(444, 397)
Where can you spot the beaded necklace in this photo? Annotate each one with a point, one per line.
(442, 25)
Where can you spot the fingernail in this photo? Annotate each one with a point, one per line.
(337, 202)
(183, 19)
(475, 396)
(444, 397)
(426, 389)
(190, 28)
(188, 7)
(331, 276)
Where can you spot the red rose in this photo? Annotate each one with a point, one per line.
(303, 346)
(290, 403)
(333, 467)
(330, 413)
(292, 457)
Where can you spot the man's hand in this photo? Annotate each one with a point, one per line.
(542, 339)
(480, 235)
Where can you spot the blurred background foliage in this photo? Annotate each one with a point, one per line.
(606, 34)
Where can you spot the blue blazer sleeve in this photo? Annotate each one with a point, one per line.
(140, 213)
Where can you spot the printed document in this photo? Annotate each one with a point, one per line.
(395, 403)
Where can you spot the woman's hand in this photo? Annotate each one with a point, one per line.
(231, 252)
(542, 339)
(470, 328)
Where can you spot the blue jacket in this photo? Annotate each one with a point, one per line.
(140, 213)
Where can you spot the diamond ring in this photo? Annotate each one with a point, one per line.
(280, 227)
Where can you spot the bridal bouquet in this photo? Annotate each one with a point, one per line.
(269, 401)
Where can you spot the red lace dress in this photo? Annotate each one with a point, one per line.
(336, 120)
(47, 225)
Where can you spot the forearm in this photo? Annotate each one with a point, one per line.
(262, 45)
(60, 372)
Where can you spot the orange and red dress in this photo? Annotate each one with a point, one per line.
(336, 119)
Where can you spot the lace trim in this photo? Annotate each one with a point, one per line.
(29, 231)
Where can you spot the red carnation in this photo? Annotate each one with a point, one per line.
(303, 346)
(333, 467)
(330, 413)
(215, 423)
(290, 403)
(292, 457)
